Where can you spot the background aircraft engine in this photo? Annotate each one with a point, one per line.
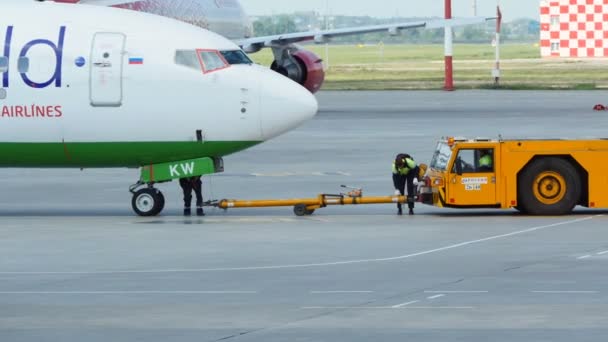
(303, 67)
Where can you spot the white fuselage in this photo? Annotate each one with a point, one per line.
(105, 75)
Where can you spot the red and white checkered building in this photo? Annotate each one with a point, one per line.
(574, 28)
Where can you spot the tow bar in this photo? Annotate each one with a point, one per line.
(307, 206)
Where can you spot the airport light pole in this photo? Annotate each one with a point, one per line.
(326, 64)
(496, 71)
(449, 43)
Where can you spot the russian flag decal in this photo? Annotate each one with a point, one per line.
(136, 60)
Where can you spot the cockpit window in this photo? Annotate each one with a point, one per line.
(212, 60)
(187, 58)
(236, 57)
(205, 60)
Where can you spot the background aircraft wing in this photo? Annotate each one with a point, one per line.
(321, 37)
(106, 2)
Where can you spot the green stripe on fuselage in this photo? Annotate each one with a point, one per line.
(114, 154)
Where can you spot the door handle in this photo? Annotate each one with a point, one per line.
(103, 64)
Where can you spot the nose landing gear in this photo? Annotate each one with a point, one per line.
(147, 201)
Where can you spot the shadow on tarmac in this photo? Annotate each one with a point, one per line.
(276, 213)
(514, 213)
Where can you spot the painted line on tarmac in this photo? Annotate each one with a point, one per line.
(436, 296)
(312, 265)
(566, 292)
(584, 257)
(339, 292)
(387, 307)
(316, 219)
(124, 292)
(404, 304)
(456, 291)
(602, 253)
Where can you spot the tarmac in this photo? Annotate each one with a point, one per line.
(77, 265)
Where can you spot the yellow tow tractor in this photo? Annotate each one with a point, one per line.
(537, 177)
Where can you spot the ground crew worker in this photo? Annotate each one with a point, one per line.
(485, 161)
(189, 184)
(405, 171)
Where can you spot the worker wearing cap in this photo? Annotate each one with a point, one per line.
(187, 185)
(405, 171)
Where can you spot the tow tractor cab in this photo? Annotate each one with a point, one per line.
(539, 177)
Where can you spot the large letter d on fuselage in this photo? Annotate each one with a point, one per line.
(57, 49)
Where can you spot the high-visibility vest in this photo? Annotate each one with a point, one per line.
(408, 164)
(485, 161)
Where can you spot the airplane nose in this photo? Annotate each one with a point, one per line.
(284, 105)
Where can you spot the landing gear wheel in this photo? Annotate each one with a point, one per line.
(161, 202)
(300, 210)
(549, 186)
(148, 202)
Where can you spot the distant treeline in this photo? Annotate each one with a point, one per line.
(521, 30)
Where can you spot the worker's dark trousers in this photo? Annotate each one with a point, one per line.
(400, 181)
(187, 187)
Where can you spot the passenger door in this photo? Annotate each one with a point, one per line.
(106, 69)
(469, 183)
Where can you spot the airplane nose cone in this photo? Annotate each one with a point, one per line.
(284, 105)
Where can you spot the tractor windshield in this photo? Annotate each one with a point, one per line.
(441, 157)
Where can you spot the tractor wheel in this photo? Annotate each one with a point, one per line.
(549, 186)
